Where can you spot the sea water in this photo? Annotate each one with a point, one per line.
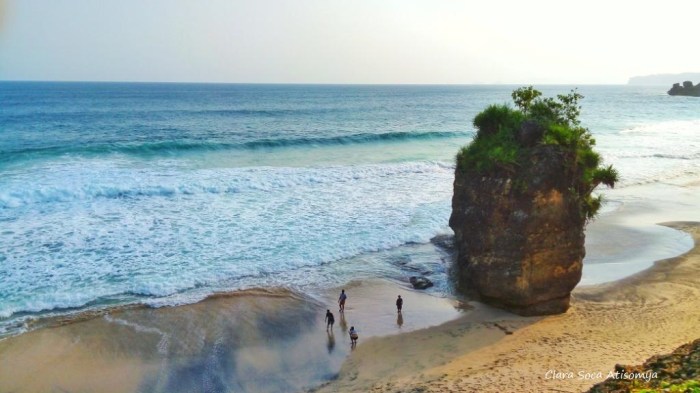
(118, 193)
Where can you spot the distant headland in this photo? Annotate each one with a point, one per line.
(663, 79)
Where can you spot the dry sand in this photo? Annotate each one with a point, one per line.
(625, 322)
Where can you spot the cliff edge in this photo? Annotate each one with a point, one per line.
(522, 197)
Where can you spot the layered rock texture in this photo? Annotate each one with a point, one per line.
(519, 222)
(520, 238)
(686, 90)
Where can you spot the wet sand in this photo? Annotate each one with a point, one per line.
(252, 341)
(624, 322)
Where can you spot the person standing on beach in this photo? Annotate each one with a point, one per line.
(399, 304)
(330, 319)
(341, 300)
(353, 336)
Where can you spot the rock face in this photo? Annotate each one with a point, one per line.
(520, 236)
(420, 282)
(686, 90)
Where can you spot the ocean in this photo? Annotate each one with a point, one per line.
(163, 194)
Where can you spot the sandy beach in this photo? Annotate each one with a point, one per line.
(251, 341)
(267, 341)
(623, 322)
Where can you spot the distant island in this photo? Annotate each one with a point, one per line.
(686, 90)
(663, 79)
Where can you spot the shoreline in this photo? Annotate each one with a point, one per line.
(627, 233)
(269, 341)
(626, 321)
(442, 346)
(69, 315)
(428, 259)
(193, 338)
(274, 340)
(672, 244)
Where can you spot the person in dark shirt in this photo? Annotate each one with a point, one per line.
(399, 304)
(330, 320)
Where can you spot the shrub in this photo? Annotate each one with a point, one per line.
(495, 118)
(495, 150)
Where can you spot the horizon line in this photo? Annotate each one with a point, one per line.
(311, 83)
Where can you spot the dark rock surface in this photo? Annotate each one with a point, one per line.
(444, 242)
(520, 236)
(530, 133)
(420, 282)
(686, 90)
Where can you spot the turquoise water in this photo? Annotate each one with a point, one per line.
(117, 193)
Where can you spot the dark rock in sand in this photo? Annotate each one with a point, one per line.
(420, 282)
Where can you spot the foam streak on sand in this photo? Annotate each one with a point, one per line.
(622, 322)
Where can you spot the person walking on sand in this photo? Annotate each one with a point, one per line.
(353, 336)
(341, 300)
(330, 319)
(399, 304)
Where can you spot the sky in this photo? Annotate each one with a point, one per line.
(350, 41)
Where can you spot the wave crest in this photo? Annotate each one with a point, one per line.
(148, 149)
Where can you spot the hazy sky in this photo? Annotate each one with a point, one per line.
(351, 41)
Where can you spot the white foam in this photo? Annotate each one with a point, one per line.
(656, 151)
(162, 345)
(75, 234)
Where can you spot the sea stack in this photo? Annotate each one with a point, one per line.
(522, 197)
(686, 90)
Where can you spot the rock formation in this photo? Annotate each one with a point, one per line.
(519, 226)
(520, 248)
(686, 90)
(420, 282)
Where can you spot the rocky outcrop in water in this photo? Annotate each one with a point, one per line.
(420, 282)
(522, 197)
(686, 90)
(520, 237)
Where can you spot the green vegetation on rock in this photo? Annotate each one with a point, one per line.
(506, 138)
